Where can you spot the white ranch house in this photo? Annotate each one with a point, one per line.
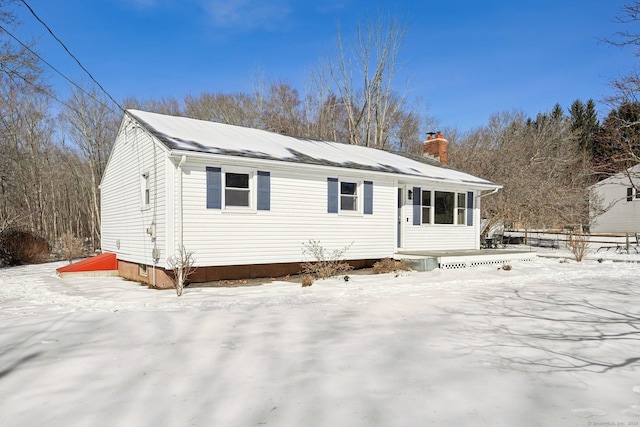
(245, 200)
(617, 203)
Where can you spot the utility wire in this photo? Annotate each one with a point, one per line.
(12, 73)
(57, 71)
(72, 55)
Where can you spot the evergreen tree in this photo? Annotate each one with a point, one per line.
(585, 124)
(617, 147)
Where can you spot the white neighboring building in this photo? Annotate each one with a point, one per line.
(619, 203)
(245, 200)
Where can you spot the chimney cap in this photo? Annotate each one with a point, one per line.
(434, 135)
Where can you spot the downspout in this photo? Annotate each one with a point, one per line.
(494, 191)
(183, 159)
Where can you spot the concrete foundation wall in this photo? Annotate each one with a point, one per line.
(163, 278)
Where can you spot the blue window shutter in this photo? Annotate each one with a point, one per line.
(332, 195)
(470, 208)
(264, 191)
(214, 188)
(417, 205)
(368, 198)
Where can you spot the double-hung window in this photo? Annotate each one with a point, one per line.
(349, 196)
(461, 207)
(237, 191)
(426, 206)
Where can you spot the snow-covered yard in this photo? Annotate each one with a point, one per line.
(544, 344)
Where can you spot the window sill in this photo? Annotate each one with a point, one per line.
(350, 213)
(238, 210)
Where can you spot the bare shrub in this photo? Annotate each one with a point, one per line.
(71, 247)
(578, 244)
(307, 280)
(388, 265)
(183, 265)
(324, 264)
(506, 267)
(19, 247)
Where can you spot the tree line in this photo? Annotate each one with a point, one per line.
(53, 151)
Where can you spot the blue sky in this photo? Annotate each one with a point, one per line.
(463, 59)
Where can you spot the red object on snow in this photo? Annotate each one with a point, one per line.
(102, 262)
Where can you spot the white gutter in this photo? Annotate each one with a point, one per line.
(283, 164)
(494, 191)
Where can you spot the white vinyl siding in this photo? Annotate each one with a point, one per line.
(298, 213)
(125, 189)
(620, 215)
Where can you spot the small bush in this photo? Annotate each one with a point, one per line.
(307, 280)
(71, 247)
(578, 243)
(388, 265)
(183, 266)
(506, 267)
(325, 264)
(19, 247)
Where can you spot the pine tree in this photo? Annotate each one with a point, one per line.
(585, 125)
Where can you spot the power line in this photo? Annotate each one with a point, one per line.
(11, 73)
(56, 70)
(72, 55)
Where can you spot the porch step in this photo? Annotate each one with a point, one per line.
(451, 260)
(419, 263)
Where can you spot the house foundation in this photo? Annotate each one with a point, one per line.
(164, 278)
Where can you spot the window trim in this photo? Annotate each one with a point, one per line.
(216, 189)
(145, 190)
(423, 207)
(143, 270)
(250, 190)
(461, 212)
(359, 196)
(457, 212)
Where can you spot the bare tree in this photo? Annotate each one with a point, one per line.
(234, 109)
(91, 123)
(619, 148)
(543, 173)
(361, 75)
(19, 63)
(169, 106)
(281, 109)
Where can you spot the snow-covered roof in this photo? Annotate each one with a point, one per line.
(185, 134)
(624, 177)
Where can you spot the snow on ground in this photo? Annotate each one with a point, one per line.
(547, 343)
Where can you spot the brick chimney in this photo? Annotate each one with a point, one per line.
(435, 147)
